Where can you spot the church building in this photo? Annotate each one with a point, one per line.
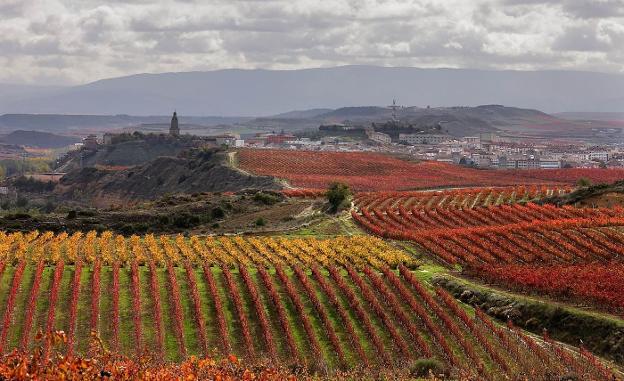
(174, 130)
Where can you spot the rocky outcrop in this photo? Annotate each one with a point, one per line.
(199, 171)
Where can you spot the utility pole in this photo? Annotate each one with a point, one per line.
(394, 107)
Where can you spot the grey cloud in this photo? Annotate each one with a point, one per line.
(87, 39)
(591, 9)
(583, 39)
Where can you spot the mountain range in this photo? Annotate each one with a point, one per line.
(235, 92)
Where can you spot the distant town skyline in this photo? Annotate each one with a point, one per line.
(66, 42)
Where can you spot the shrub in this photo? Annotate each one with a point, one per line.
(338, 195)
(583, 182)
(21, 202)
(260, 221)
(164, 219)
(49, 206)
(266, 198)
(72, 215)
(425, 367)
(17, 216)
(217, 212)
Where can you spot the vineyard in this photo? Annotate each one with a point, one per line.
(475, 227)
(600, 284)
(337, 304)
(379, 172)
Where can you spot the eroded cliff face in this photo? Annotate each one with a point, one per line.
(199, 171)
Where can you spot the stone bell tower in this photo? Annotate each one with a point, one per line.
(174, 130)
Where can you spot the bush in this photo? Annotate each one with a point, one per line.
(266, 198)
(425, 367)
(338, 195)
(217, 212)
(583, 182)
(260, 221)
(21, 202)
(29, 184)
(6, 204)
(17, 216)
(185, 220)
(72, 215)
(164, 219)
(49, 206)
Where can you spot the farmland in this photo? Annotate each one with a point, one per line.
(600, 284)
(468, 227)
(337, 304)
(379, 172)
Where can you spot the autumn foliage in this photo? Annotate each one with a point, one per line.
(365, 171)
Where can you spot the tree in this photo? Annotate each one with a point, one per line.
(338, 195)
(21, 202)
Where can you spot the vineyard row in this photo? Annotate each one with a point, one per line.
(359, 251)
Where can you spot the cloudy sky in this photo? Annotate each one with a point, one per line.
(78, 41)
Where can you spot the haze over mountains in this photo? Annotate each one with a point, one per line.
(268, 92)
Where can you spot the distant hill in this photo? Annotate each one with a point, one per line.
(38, 139)
(458, 121)
(302, 114)
(86, 123)
(270, 92)
(604, 116)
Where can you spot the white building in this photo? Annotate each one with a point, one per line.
(549, 163)
(380, 137)
(598, 155)
(472, 141)
(423, 138)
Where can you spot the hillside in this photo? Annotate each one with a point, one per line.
(268, 92)
(197, 171)
(599, 195)
(38, 139)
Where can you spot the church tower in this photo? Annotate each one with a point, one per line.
(174, 130)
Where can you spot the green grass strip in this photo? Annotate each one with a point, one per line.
(83, 331)
(172, 352)
(106, 306)
(148, 326)
(43, 303)
(210, 314)
(191, 338)
(5, 286)
(126, 322)
(61, 316)
(19, 310)
(229, 312)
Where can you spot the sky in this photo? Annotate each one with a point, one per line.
(66, 42)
